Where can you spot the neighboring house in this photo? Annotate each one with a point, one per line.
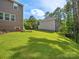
(49, 24)
(11, 15)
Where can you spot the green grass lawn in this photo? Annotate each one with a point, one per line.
(37, 45)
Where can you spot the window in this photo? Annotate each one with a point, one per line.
(13, 17)
(7, 17)
(15, 6)
(1, 15)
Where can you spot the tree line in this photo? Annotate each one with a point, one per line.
(31, 23)
(66, 17)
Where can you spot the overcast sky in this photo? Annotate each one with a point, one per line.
(39, 7)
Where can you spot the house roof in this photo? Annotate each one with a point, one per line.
(47, 19)
(16, 2)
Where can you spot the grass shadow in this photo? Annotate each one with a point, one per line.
(41, 48)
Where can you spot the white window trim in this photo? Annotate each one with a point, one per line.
(9, 16)
(4, 16)
(14, 18)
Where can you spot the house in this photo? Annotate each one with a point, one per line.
(49, 24)
(11, 15)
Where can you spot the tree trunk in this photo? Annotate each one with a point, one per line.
(76, 19)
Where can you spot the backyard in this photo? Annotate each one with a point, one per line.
(37, 45)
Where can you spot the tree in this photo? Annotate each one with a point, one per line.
(68, 10)
(47, 14)
(76, 19)
(57, 14)
(31, 23)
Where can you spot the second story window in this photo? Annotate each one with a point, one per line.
(7, 17)
(13, 17)
(15, 5)
(1, 15)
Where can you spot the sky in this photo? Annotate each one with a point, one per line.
(37, 8)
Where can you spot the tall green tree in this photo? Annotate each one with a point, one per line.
(47, 14)
(76, 19)
(69, 17)
(58, 16)
(31, 23)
